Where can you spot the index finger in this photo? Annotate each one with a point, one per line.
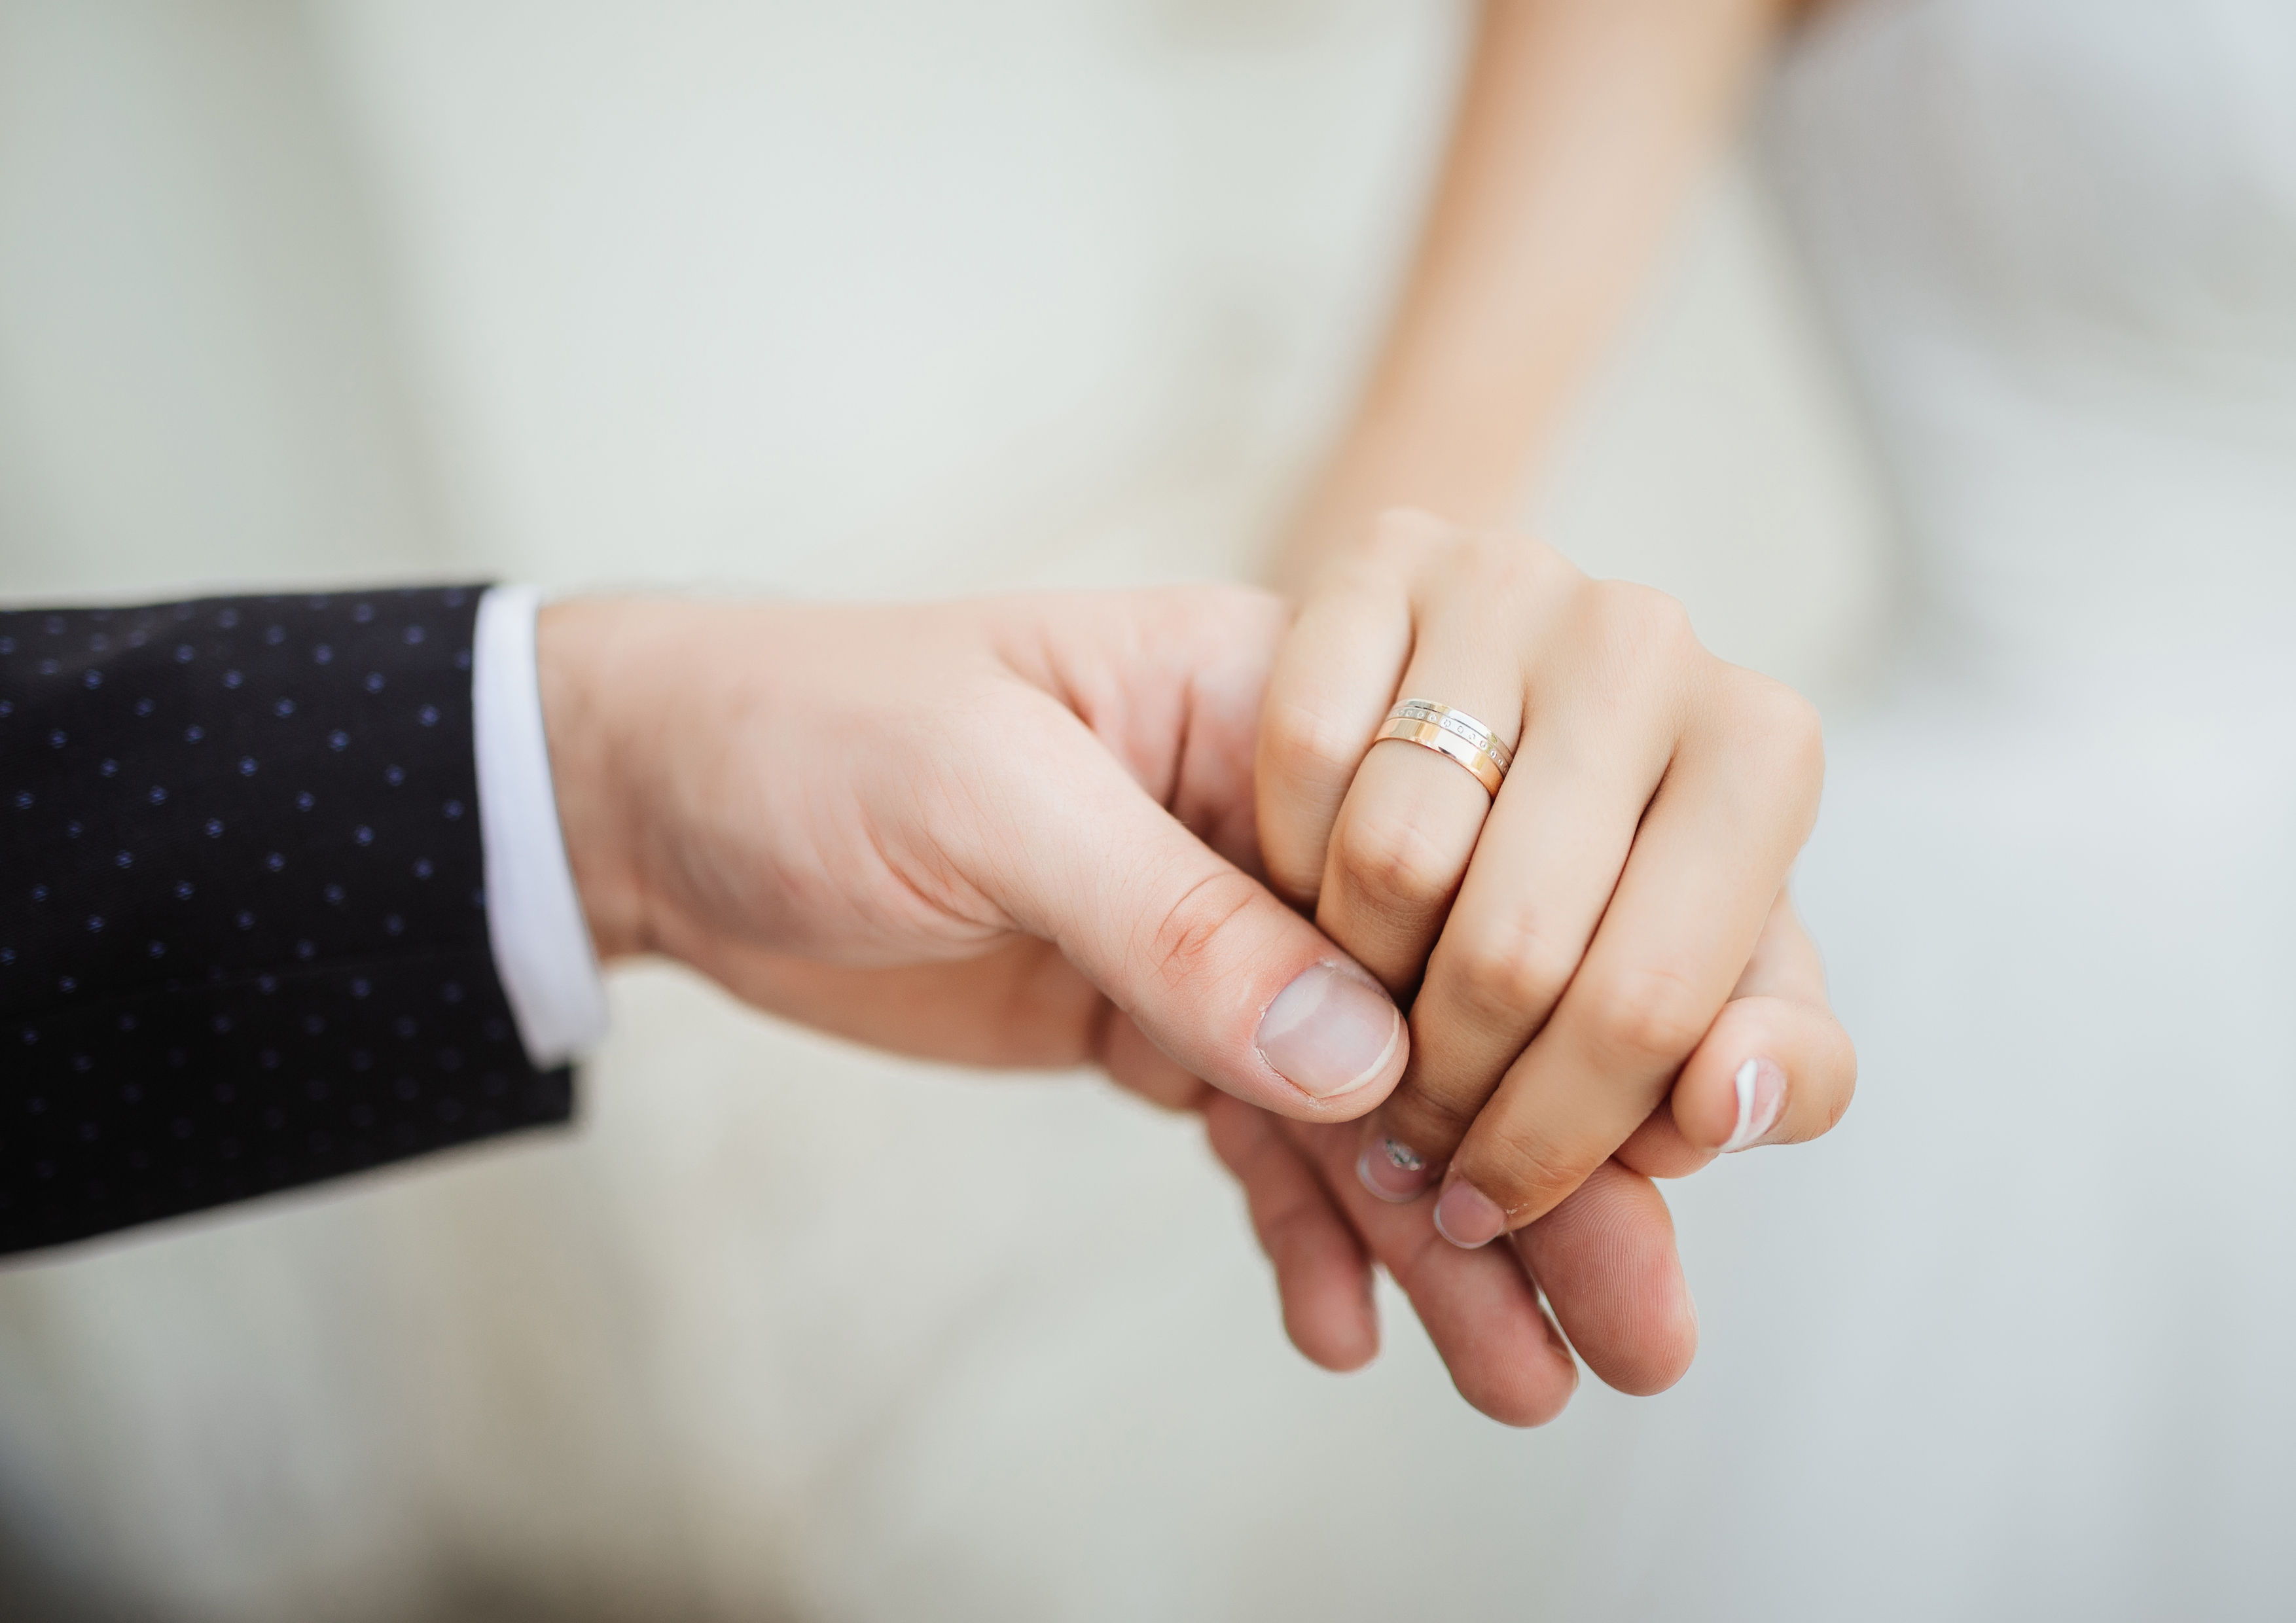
(1333, 680)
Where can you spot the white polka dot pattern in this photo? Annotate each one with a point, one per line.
(242, 936)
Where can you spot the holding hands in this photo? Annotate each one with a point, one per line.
(1607, 983)
(1571, 938)
(1050, 830)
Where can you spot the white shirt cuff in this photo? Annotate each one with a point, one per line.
(541, 941)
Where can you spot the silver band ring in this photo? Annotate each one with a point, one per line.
(1450, 732)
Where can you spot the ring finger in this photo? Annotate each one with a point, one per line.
(1408, 829)
(1542, 873)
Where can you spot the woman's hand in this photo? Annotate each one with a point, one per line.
(1605, 1258)
(988, 831)
(1568, 946)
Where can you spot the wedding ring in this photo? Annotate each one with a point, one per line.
(1451, 733)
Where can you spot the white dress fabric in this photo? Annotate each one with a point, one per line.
(2019, 1343)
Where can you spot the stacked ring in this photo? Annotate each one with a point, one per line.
(1453, 733)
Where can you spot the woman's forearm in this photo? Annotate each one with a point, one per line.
(1580, 123)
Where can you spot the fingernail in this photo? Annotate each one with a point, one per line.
(1330, 1031)
(1761, 1099)
(1391, 1170)
(1468, 1217)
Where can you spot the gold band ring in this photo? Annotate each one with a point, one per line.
(1451, 733)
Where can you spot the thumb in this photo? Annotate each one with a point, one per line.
(1212, 968)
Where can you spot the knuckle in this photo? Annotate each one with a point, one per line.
(1431, 1121)
(1393, 863)
(1775, 735)
(1646, 614)
(1302, 744)
(1508, 973)
(1524, 1171)
(1800, 736)
(1645, 1019)
(1645, 633)
(1780, 721)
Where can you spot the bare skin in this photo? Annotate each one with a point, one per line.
(989, 832)
(1019, 833)
(1608, 978)
(1581, 127)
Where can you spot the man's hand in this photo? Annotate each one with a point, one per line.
(1605, 1259)
(1003, 832)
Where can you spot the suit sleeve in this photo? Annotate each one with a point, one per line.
(244, 939)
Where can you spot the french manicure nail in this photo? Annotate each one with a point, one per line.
(1330, 1031)
(1468, 1217)
(1761, 1099)
(1391, 1170)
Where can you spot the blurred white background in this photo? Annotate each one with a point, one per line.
(883, 298)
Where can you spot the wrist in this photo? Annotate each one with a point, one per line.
(581, 650)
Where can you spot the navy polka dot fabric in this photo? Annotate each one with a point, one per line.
(243, 926)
